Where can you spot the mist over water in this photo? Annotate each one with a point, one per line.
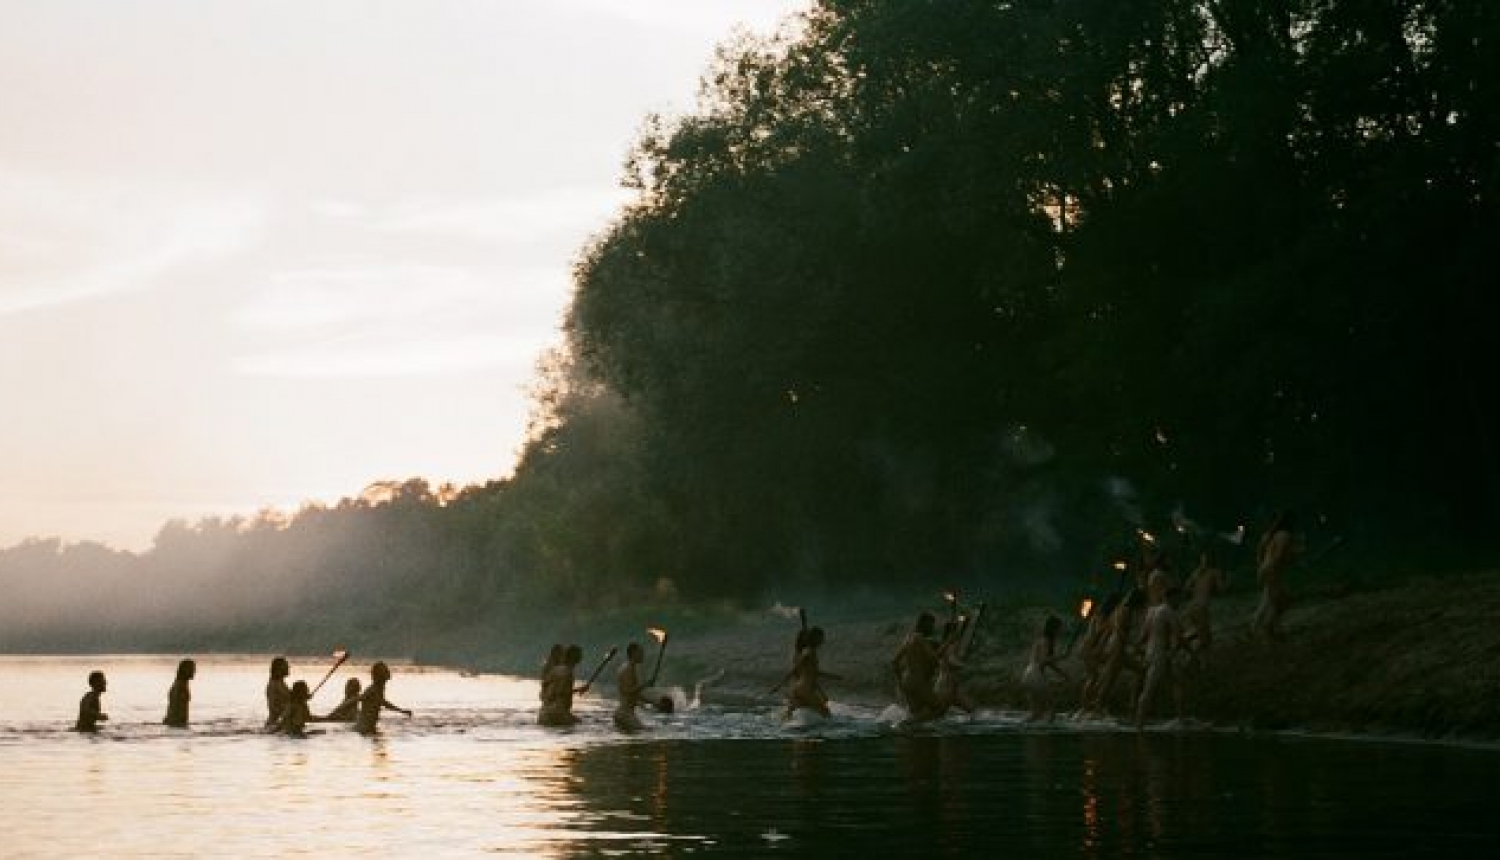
(471, 775)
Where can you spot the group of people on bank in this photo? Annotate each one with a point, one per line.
(287, 706)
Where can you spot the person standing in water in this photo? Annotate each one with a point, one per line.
(557, 690)
(1161, 635)
(346, 711)
(296, 716)
(1204, 582)
(916, 667)
(179, 696)
(945, 687)
(806, 691)
(90, 709)
(278, 694)
(1272, 558)
(372, 701)
(629, 687)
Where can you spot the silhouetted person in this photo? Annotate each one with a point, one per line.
(295, 716)
(916, 666)
(806, 691)
(1272, 558)
(278, 694)
(372, 701)
(179, 696)
(90, 710)
(557, 690)
(554, 658)
(347, 711)
(628, 685)
(1197, 621)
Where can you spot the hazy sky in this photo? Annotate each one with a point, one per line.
(260, 252)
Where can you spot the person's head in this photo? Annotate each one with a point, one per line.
(380, 672)
(801, 639)
(186, 670)
(351, 687)
(665, 704)
(634, 653)
(926, 623)
(1051, 626)
(300, 692)
(572, 655)
(280, 668)
(96, 681)
(814, 637)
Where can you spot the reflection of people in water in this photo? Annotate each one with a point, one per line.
(346, 711)
(372, 701)
(916, 666)
(179, 696)
(629, 687)
(90, 709)
(278, 694)
(805, 691)
(1043, 659)
(557, 690)
(295, 717)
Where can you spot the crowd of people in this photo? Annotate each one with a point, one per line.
(1154, 633)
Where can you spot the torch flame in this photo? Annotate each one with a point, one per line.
(1120, 565)
(340, 654)
(950, 596)
(1146, 536)
(1085, 608)
(657, 633)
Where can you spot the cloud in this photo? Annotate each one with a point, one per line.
(398, 320)
(63, 242)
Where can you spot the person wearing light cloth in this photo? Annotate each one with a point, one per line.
(1161, 636)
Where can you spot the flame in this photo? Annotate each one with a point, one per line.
(340, 654)
(657, 633)
(950, 596)
(1085, 608)
(1146, 536)
(1120, 565)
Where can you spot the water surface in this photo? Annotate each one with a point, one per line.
(471, 775)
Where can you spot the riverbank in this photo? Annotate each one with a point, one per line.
(1419, 658)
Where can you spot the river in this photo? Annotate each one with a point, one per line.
(471, 775)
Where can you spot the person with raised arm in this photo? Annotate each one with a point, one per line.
(372, 701)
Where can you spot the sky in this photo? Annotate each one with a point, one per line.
(260, 254)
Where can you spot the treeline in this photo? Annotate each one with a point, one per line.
(931, 291)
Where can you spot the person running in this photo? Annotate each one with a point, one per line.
(805, 690)
(278, 694)
(557, 690)
(1161, 635)
(1273, 556)
(1034, 679)
(1119, 652)
(1093, 652)
(346, 711)
(946, 691)
(916, 668)
(90, 708)
(296, 716)
(630, 689)
(1206, 581)
(372, 701)
(179, 695)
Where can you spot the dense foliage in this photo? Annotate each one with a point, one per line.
(932, 290)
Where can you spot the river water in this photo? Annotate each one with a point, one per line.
(471, 775)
